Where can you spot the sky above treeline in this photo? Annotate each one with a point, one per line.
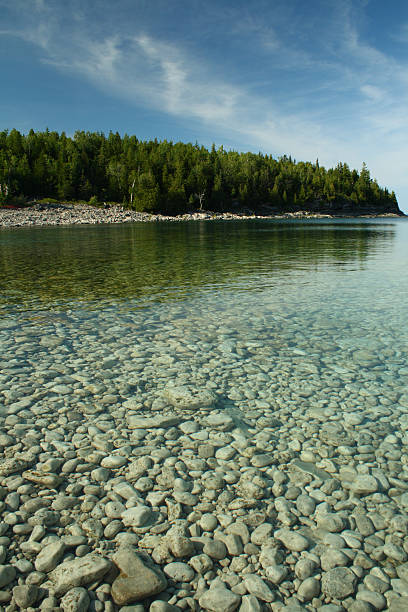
(323, 79)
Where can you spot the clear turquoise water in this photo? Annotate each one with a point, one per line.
(309, 313)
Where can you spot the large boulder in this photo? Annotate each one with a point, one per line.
(139, 578)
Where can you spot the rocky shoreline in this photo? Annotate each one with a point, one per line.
(78, 214)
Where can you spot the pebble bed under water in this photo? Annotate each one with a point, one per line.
(215, 419)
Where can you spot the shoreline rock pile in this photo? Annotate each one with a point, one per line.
(79, 214)
(180, 504)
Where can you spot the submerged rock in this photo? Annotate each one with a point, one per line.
(188, 397)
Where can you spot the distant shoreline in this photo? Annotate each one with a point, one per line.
(83, 214)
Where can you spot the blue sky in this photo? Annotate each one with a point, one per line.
(324, 79)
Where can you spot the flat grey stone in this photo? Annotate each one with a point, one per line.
(399, 586)
(353, 418)
(114, 509)
(11, 465)
(219, 599)
(261, 461)
(308, 589)
(139, 516)
(332, 558)
(364, 484)
(61, 389)
(376, 600)
(305, 504)
(360, 606)
(215, 549)
(179, 572)
(338, 583)
(257, 587)
(396, 552)
(364, 525)
(330, 522)
(64, 502)
(292, 540)
(75, 600)
(261, 533)
(160, 606)
(276, 573)
(270, 556)
(138, 579)
(114, 462)
(249, 603)
(222, 422)
(50, 481)
(305, 568)
(49, 556)
(189, 397)
(179, 545)
(402, 571)
(79, 572)
(398, 605)
(7, 574)
(201, 563)
(310, 468)
(183, 497)
(234, 544)
(403, 499)
(125, 490)
(292, 607)
(138, 422)
(26, 595)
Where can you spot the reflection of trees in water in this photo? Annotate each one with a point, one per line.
(169, 260)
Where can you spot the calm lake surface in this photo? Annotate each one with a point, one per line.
(309, 317)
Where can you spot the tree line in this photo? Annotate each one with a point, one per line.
(172, 178)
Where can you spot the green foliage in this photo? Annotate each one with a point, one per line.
(147, 193)
(175, 177)
(93, 201)
(17, 200)
(48, 201)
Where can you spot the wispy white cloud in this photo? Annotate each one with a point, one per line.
(372, 92)
(345, 99)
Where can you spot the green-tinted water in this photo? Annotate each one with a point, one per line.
(308, 314)
(158, 262)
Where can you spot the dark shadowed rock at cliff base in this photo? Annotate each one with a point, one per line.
(336, 208)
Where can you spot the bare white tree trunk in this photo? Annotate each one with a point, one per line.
(201, 197)
(131, 191)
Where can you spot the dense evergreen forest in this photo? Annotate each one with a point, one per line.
(174, 178)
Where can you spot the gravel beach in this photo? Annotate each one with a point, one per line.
(177, 505)
(69, 214)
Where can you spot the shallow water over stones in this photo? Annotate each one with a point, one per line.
(225, 404)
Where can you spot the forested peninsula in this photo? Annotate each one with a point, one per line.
(175, 178)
